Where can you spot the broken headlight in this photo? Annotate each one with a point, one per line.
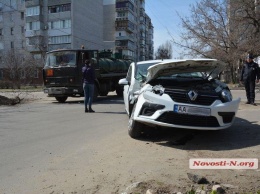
(158, 89)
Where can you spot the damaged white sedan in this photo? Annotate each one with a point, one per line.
(183, 94)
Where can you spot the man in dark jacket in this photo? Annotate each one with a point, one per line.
(88, 75)
(250, 75)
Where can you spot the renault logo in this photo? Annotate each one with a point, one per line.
(192, 95)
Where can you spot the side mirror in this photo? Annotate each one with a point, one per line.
(123, 82)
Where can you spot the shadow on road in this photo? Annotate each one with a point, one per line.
(100, 100)
(106, 112)
(242, 134)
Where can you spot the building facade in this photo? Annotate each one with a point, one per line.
(134, 30)
(38, 26)
(61, 24)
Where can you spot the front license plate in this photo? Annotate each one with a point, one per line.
(191, 110)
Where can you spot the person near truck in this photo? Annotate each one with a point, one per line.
(88, 76)
(250, 75)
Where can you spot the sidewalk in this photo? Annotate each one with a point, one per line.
(241, 93)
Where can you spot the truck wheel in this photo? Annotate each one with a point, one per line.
(119, 91)
(134, 127)
(61, 99)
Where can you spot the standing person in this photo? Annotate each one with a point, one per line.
(88, 75)
(250, 75)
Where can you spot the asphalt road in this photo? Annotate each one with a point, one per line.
(48, 147)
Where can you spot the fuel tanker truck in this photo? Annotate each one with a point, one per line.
(62, 73)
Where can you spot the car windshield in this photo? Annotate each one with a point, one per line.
(141, 71)
(192, 75)
(61, 59)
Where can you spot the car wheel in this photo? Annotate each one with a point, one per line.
(61, 99)
(134, 127)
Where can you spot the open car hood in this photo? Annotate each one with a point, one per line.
(209, 66)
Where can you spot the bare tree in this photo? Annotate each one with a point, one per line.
(19, 67)
(164, 51)
(221, 29)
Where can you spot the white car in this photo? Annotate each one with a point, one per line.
(180, 94)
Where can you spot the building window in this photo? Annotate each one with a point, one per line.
(31, 11)
(60, 39)
(12, 31)
(1, 32)
(33, 25)
(12, 45)
(59, 8)
(22, 44)
(22, 15)
(22, 29)
(59, 24)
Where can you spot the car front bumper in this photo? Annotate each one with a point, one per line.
(152, 109)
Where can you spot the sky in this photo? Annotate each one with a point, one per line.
(164, 15)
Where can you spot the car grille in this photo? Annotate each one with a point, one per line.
(188, 120)
(182, 97)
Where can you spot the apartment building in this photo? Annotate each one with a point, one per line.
(134, 30)
(38, 26)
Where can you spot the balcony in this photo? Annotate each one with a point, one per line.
(132, 48)
(142, 27)
(125, 47)
(31, 3)
(36, 48)
(125, 28)
(125, 6)
(32, 33)
(125, 38)
(142, 12)
(142, 38)
(121, 18)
